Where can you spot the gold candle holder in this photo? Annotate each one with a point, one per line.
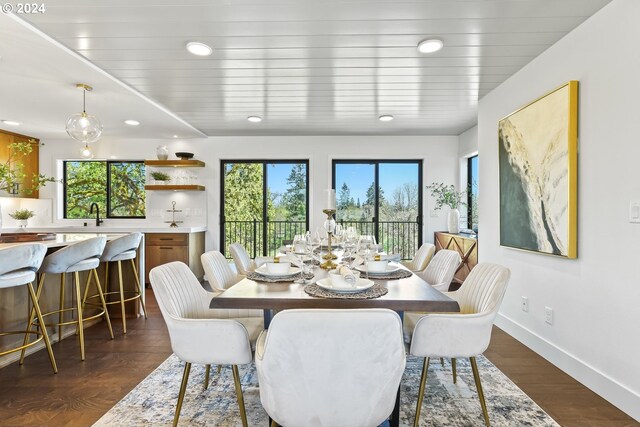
(329, 256)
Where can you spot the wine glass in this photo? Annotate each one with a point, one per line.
(369, 249)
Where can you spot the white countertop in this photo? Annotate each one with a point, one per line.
(108, 229)
(64, 239)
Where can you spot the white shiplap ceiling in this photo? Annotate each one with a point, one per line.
(311, 67)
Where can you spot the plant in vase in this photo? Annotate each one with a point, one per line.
(160, 177)
(22, 216)
(447, 195)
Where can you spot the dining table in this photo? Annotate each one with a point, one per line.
(405, 294)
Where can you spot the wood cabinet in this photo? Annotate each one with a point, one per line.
(161, 248)
(31, 162)
(465, 245)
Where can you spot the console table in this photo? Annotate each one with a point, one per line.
(465, 244)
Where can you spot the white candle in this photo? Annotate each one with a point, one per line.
(331, 199)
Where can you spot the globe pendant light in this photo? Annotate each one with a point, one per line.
(82, 126)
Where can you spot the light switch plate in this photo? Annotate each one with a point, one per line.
(634, 211)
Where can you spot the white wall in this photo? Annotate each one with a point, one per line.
(440, 155)
(467, 147)
(595, 336)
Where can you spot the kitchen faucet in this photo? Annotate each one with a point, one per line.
(98, 220)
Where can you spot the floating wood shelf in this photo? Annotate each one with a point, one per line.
(175, 163)
(174, 187)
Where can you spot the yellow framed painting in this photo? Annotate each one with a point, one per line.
(538, 158)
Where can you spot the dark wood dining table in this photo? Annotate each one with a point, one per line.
(408, 294)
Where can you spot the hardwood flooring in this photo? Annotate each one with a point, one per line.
(30, 395)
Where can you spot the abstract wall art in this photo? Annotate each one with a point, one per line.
(538, 174)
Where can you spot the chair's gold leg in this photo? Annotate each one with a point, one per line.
(476, 377)
(86, 290)
(139, 288)
(219, 369)
(207, 372)
(442, 362)
(274, 424)
(31, 317)
(79, 307)
(43, 328)
(124, 315)
(423, 383)
(236, 380)
(453, 369)
(106, 277)
(61, 314)
(183, 389)
(104, 303)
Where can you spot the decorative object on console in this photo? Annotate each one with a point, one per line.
(447, 195)
(184, 155)
(83, 127)
(330, 226)
(162, 152)
(538, 152)
(22, 216)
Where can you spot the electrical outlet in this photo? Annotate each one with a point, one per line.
(548, 315)
(525, 304)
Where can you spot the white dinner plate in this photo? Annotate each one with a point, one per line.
(390, 269)
(361, 285)
(263, 270)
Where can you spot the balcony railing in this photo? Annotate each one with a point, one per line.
(395, 236)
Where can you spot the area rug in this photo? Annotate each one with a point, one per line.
(152, 402)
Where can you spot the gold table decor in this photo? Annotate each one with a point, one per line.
(330, 225)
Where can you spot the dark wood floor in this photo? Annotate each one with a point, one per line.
(30, 395)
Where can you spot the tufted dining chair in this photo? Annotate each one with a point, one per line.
(18, 266)
(197, 335)
(464, 334)
(421, 258)
(330, 367)
(440, 271)
(244, 263)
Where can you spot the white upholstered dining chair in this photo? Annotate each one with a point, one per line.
(242, 260)
(197, 336)
(330, 367)
(440, 271)
(421, 258)
(464, 334)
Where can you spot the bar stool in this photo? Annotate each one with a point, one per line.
(18, 267)
(81, 256)
(117, 250)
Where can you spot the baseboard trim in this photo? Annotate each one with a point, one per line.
(606, 387)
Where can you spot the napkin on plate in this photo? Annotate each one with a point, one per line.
(293, 259)
(390, 257)
(260, 260)
(358, 260)
(347, 275)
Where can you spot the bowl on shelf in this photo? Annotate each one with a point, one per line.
(184, 156)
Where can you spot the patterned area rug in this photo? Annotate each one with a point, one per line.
(152, 402)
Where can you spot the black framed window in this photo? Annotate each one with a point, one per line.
(382, 198)
(264, 203)
(472, 192)
(116, 186)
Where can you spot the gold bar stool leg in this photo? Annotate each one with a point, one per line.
(79, 307)
(43, 329)
(138, 287)
(453, 369)
(124, 315)
(274, 424)
(476, 377)
(61, 313)
(219, 369)
(423, 382)
(106, 277)
(183, 389)
(104, 303)
(86, 290)
(236, 380)
(206, 376)
(31, 317)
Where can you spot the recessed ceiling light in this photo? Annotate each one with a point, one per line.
(131, 122)
(430, 45)
(11, 123)
(199, 49)
(385, 118)
(175, 136)
(254, 119)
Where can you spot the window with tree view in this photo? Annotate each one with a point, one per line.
(472, 193)
(117, 187)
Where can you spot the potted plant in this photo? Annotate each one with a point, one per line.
(22, 216)
(447, 195)
(160, 177)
